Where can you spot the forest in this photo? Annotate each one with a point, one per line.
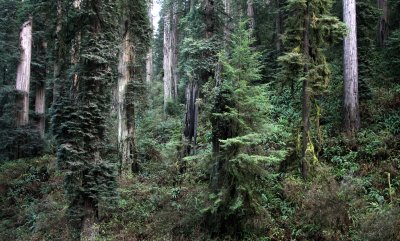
(199, 120)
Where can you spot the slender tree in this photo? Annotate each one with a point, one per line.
(305, 63)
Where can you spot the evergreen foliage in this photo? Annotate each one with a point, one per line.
(244, 158)
(310, 29)
(221, 161)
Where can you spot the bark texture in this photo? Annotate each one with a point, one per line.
(40, 107)
(191, 118)
(125, 110)
(24, 73)
(306, 97)
(351, 110)
(250, 15)
(170, 59)
(40, 98)
(149, 56)
(76, 44)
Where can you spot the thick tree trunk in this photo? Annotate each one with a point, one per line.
(24, 73)
(149, 56)
(174, 48)
(351, 110)
(167, 59)
(170, 59)
(191, 117)
(383, 28)
(125, 125)
(40, 99)
(306, 96)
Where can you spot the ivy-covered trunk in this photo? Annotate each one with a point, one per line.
(24, 73)
(79, 121)
(306, 95)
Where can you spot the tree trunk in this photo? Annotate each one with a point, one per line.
(278, 26)
(167, 62)
(306, 95)
(383, 29)
(58, 55)
(149, 56)
(351, 111)
(40, 100)
(170, 59)
(24, 73)
(76, 43)
(191, 118)
(209, 18)
(125, 127)
(250, 15)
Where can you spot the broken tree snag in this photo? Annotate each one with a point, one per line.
(191, 118)
(24, 73)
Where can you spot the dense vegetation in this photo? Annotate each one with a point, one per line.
(233, 120)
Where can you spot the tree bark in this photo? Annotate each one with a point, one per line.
(170, 59)
(40, 98)
(58, 55)
(76, 44)
(250, 15)
(24, 73)
(125, 125)
(306, 95)
(278, 26)
(149, 56)
(192, 112)
(351, 110)
(383, 28)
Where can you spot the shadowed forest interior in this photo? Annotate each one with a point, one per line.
(200, 120)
